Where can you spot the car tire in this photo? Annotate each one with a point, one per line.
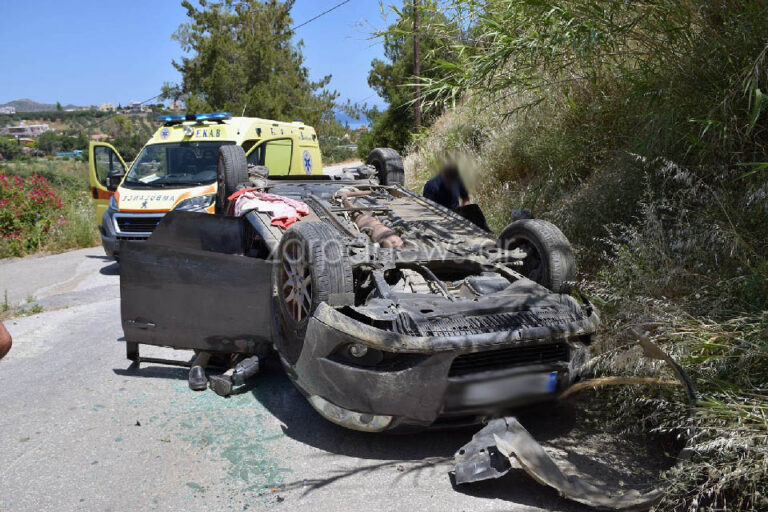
(389, 166)
(231, 171)
(550, 261)
(310, 255)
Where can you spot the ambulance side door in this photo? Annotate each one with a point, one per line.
(105, 171)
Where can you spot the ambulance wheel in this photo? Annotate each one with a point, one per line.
(312, 268)
(389, 166)
(231, 171)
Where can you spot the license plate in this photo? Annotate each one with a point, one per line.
(509, 388)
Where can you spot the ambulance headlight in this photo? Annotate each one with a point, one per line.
(113, 203)
(197, 203)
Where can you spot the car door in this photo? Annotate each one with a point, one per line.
(275, 154)
(200, 282)
(103, 161)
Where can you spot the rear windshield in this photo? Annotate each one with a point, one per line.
(175, 164)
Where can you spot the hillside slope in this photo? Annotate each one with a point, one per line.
(677, 249)
(28, 105)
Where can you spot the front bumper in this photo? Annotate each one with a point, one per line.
(112, 230)
(424, 388)
(109, 242)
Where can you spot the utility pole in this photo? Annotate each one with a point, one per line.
(416, 66)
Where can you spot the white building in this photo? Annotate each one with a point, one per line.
(137, 106)
(7, 110)
(26, 130)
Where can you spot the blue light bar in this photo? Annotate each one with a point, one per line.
(170, 119)
(214, 115)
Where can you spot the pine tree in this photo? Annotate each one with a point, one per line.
(242, 59)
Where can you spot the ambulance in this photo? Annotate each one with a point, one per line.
(178, 169)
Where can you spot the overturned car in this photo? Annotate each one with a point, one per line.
(388, 311)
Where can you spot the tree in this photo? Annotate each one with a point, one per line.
(241, 59)
(48, 142)
(393, 78)
(9, 149)
(391, 128)
(59, 107)
(119, 126)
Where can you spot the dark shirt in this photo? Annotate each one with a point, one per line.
(447, 195)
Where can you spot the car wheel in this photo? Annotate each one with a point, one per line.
(549, 261)
(231, 171)
(389, 166)
(311, 268)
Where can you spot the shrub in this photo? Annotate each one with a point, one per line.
(9, 149)
(29, 208)
(333, 153)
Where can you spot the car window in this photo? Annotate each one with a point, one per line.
(248, 144)
(275, 154)
(105, 160)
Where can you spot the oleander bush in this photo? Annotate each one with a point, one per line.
(29, 208)
(45, 206)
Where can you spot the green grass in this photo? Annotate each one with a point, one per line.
(9, 314)
(35, 309)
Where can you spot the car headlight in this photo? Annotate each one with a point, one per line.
(363, 422)
(196, 203)
(113, 203)
(362, 356)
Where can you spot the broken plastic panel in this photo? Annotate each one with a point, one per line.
(504, 443)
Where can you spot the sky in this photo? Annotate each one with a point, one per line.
(88, 52)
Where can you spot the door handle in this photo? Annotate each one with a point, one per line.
(141, 325)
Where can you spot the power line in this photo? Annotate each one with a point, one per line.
(340, 4)
(320, 15)
(150, 99)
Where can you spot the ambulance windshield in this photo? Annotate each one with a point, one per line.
(175, 164)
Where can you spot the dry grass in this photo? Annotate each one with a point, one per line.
(659, 247)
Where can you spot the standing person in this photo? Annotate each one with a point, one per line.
(5, 341)
(446, 188)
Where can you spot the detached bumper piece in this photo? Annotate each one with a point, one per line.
(504, 443)
(490, 455)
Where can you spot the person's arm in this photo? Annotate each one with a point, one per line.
(463, 194)
(430, 191)
(5, 341)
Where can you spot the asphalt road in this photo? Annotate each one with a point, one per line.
(82, 430)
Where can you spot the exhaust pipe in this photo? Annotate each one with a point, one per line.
(379, 233)
(384, 236)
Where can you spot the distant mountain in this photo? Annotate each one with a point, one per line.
(27, 105)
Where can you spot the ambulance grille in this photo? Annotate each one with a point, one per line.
(143, 224)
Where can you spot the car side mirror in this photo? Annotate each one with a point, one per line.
(114, 177)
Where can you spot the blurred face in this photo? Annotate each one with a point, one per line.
(450, 173)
